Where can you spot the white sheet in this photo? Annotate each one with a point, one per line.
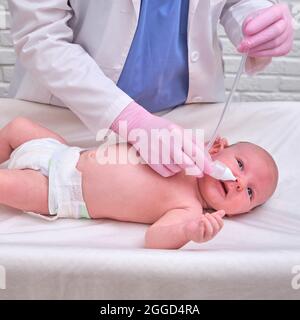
(252, 257)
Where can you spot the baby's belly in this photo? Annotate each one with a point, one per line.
(128, 192)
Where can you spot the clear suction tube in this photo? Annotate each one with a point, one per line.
(219, 170)
(227, 104)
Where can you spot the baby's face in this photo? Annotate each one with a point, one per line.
(256, 175)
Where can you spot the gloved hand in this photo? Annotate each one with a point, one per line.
(194, 159)
(268, 32)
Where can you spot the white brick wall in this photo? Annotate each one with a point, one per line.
(7, 55)
(280, 81)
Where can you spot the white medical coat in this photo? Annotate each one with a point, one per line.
(71, 53)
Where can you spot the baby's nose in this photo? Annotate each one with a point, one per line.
(240, 184)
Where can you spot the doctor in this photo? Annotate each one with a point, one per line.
(126, 59)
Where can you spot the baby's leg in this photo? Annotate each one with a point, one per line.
(26, 190)
(20, 130)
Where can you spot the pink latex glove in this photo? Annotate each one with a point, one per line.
(139, 118)
(268, 32)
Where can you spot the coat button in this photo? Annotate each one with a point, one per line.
(195, 56)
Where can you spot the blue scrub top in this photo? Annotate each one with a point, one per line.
(155, 73)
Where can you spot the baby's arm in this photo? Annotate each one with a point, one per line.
(179, 226)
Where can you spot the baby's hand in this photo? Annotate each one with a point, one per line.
(206, 227)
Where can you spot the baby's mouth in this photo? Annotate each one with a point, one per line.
(223, 185)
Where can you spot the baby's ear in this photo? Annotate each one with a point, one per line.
(219, 145)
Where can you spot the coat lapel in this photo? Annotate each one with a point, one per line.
(137, 6)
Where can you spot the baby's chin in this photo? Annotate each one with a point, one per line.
(228, 210)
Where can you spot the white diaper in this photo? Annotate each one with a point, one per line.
(58, 162)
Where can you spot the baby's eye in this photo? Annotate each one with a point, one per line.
(240, 163)
(250, 192)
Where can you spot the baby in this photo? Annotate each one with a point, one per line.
(48, 177)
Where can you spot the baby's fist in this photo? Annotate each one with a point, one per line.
(206, 227)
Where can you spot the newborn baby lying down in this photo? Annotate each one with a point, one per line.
(48, 177)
